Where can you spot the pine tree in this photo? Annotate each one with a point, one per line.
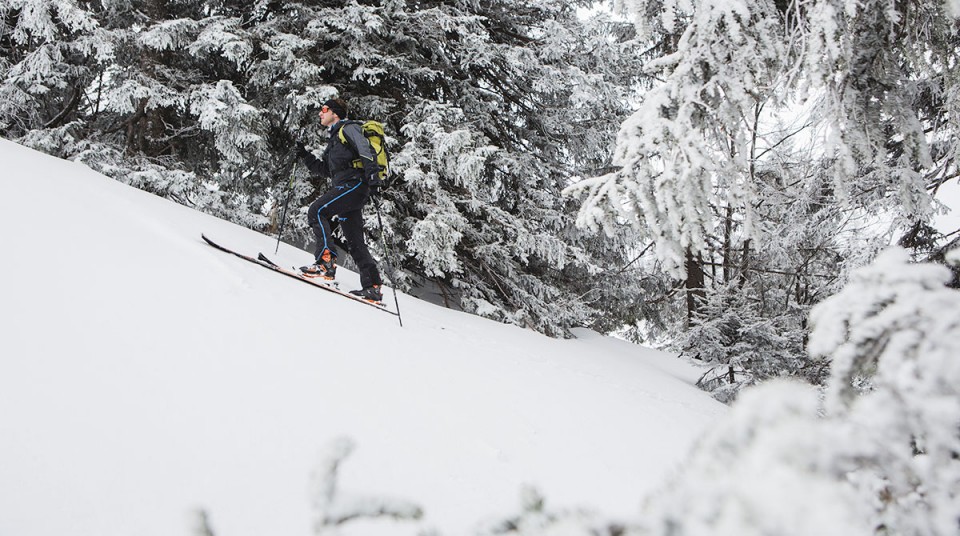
(50, 50)
(890, 96)
(687, 149)
(484, 102)
(713, 172)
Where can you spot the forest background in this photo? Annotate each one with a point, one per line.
(696, 175)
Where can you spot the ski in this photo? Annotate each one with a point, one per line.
(262, 260)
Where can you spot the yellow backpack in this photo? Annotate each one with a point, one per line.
(373, 130)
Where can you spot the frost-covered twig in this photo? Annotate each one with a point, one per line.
(334, 510)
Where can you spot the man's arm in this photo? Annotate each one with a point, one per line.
(317, 166)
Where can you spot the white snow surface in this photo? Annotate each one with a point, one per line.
(145, 375)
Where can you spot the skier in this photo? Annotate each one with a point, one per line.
(343, 202)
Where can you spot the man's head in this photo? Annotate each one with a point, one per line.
(332, 111)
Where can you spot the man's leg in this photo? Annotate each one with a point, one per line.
(352, 225)
(319, 220)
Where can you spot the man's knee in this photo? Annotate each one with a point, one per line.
(313, 213)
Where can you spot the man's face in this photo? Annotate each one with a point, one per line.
(327, 117)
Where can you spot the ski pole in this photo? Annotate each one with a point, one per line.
(293, 169)
(283, 214)
(386, 250)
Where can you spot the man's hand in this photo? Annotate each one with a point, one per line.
(302, 151)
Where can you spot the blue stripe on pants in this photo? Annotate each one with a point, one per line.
(328, 203)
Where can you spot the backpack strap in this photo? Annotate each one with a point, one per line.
(341, 135)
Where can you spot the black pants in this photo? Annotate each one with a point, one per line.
(346, 202)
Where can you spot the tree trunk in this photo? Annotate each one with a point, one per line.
(696, 294)
(727, 238)
(744, 263)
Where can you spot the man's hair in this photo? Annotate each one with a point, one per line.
(338, 105)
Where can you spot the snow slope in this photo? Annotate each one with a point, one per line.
(145, 375)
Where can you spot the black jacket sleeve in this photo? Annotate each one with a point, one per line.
(317, 166)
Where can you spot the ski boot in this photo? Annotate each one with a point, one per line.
(324, 267)
(370, 294)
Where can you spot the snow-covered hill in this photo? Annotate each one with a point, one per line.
(145, 375)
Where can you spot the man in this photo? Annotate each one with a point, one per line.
(343, 202)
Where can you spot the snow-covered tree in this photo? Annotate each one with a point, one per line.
(879, 460)
(696, 158)
(746, 343)
(886, 90)
(49, 53)
(759, 291)
(892, 326)
(887, 73)
(688, 148)
(773, 132)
